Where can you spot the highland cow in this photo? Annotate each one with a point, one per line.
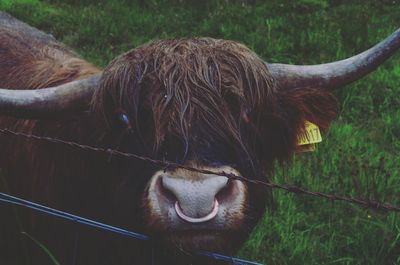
(200, 102)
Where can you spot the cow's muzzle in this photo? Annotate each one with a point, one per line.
(186, 200)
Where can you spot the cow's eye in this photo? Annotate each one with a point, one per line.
(124, 119)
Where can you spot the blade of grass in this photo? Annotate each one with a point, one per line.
(43, 247)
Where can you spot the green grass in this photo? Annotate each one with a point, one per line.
(358, 157)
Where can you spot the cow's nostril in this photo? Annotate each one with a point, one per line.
(228, 192)
(167, 193)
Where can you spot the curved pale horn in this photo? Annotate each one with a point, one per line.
(48, 102)
(335, 74)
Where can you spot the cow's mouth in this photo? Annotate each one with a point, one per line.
(191, 241)
(185, 246)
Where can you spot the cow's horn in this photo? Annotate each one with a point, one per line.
(335, 74)
(48, 102)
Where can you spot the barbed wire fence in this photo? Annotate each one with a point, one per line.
(366, 203)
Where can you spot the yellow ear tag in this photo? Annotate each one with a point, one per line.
(308, 139)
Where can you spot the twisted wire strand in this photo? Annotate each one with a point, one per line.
(366, 203)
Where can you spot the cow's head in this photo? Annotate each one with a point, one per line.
(212, 105)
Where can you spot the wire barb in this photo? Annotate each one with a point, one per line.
(372, 204)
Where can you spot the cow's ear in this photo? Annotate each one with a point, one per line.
(315, 105)
(281, 129)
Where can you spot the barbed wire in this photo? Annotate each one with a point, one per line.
(366, 203)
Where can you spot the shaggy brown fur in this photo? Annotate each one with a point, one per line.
(32, 59)
(199, 84)
(217, 87)
(201, 99)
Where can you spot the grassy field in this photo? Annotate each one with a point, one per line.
(358, 157)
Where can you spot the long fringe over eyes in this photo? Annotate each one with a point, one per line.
(209, 90)
(205, 82)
